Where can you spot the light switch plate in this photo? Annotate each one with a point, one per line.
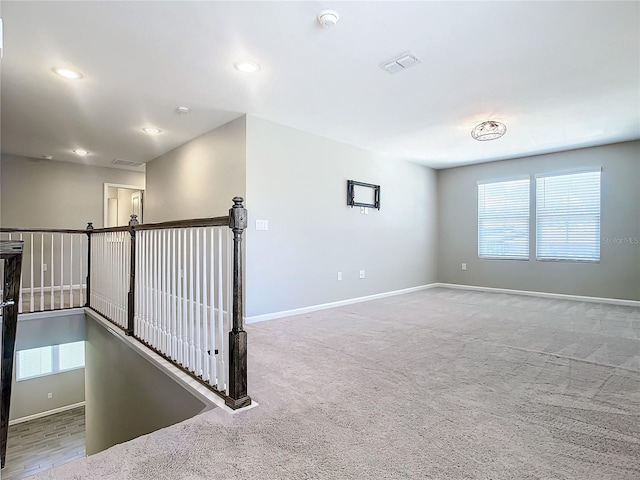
(262, 224)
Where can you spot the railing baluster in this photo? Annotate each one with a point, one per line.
(71, 271)
(51, 264)
(185, 342)
(31, 290)
(179, 303)
(61, 270)
(206, 350)
(164, 317)
(42, 272)
(212, 313)
(192, 348)
(174, 298)
(222, 362)
(198, 349)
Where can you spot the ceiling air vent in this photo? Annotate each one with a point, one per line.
(128, 163)
(400, 63)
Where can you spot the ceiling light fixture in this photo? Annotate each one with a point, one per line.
(68, 73)
(247, 67)
(328, 18)
(81, 153)
(182, 110)
(151, 130)
(489, 130)
(48, 157)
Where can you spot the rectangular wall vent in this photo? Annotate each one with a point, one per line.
(400, 63)
(128, 163)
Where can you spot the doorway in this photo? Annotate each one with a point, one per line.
(120, 202)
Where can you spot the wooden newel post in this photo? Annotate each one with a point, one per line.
(11, 253)
(131, 300)
(87, 303)
(237, 336)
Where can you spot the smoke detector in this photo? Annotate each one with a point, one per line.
(328, 18)
(182, 110)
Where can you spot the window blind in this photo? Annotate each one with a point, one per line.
(503, 219)
(37, 362)
(568, 216)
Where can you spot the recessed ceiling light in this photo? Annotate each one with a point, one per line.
(247, 67)
(68, 73)
(151, 130)
(48, 157)
(80, 152)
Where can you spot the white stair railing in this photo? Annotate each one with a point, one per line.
(53, 268)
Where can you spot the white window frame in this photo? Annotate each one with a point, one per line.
(539, 237)
(55, 362)
(486, 256)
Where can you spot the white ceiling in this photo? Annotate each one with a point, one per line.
(558, 74)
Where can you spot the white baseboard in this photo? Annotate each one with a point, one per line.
(44, 414)
(561, 296)
(325, 306)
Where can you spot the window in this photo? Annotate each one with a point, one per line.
(568, 216)
(37, 362)
(503, 219)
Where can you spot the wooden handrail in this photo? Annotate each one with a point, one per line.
(40, 230)
(193, 222)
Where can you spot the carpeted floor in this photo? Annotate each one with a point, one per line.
(443, 384)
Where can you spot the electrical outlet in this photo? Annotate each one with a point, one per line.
(361, 210)
(44, 267)
(361, 273)
(339, 275)
(49, 395)
(464, 267)
(366, 210)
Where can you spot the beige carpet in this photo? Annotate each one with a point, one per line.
(443, 384)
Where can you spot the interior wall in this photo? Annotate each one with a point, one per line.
(29, 397)
(49, 194)
(297, 182)
(617, 275)
(127, 396)
(198, 179)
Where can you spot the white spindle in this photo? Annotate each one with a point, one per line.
(220, 323)
(42, 272)
(198, 351)
(61, 270)
(164, 343)
(31, 292)
(212, 313)
(174, 320)
(205, 312)
(192, 346)
(71, 271)
(185, 316)
(51, 305)
(180, 287)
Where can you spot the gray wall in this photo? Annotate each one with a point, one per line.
(618, 273)
(48, 194)
(29, 397)
(127, 396)
(199, 178)
(297, 181)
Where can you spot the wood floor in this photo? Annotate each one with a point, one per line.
(41, 444)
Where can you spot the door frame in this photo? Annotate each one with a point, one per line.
(106, 196)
